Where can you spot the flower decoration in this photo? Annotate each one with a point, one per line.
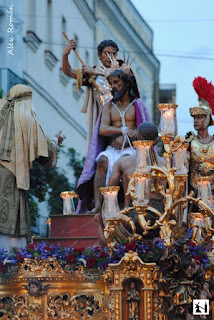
(92, 258)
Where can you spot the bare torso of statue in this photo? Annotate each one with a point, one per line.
(111, 123)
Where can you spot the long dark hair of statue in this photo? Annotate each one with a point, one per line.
(127, 80)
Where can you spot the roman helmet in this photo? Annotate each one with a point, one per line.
(205, 92)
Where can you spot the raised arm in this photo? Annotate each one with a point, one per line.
(65, 63)
(69, 71)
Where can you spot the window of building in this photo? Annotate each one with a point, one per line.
(49, 37)
(31, 15)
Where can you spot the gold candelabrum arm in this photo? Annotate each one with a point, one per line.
(181, 179)
(166, 174)
(141, 211)
(110, 228)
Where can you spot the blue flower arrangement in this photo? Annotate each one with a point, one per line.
(92, 258)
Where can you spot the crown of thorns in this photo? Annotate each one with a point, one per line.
(125, 67)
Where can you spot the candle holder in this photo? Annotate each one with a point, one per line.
(180, 159)
(204, 191)
(143, 162)
(167, 125)
(110, 207)
(142, 187)
(68, 203)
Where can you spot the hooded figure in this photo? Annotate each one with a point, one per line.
(22, 141)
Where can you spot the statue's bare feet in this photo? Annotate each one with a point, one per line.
(95, 210)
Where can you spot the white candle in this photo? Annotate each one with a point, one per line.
(112, 207)
(143, 153)
(142, 190)
(67, 205)
(204, 190)
(168, 122)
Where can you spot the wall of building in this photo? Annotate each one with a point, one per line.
(38, 46)
(120, 21)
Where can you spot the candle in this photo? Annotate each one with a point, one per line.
(68, 204)
(203, 190)
(168, 122)
(110, 206)
(181, 161)
(113, 209)
(67, 209)
(142, 190)
(143, 161)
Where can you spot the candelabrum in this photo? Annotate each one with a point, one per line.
(170, 181)
(167, 127)
(68, 202)
(112, 216)
(143, 161)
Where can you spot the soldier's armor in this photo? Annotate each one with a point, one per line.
(201, 162)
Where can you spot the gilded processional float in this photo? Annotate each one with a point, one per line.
(164, 263)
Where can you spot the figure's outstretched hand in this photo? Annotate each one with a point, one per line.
(70, 46)
(60, 137)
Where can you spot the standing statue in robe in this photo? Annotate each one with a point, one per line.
(22, 141)
(133, 299)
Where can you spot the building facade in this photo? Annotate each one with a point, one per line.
(32, 45)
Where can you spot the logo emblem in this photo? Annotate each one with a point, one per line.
(201, 307)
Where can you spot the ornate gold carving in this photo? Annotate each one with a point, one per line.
(44, 266)
(109, 189)
(130, 268)
(143, 143)
(68, 193)
(167, 106)
(68, 297)
(82, 306)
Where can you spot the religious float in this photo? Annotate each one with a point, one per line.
(154, 272)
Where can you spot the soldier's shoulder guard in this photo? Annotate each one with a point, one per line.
(189, 136)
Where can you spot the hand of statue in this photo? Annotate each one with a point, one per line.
(118, 142)
(87, 69)
(70, 46)
(59, 137)
(132, 134)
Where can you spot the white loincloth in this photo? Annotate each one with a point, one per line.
(113, 155)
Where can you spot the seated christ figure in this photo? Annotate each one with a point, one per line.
(113, 135)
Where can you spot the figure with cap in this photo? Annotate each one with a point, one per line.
(22, 141)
